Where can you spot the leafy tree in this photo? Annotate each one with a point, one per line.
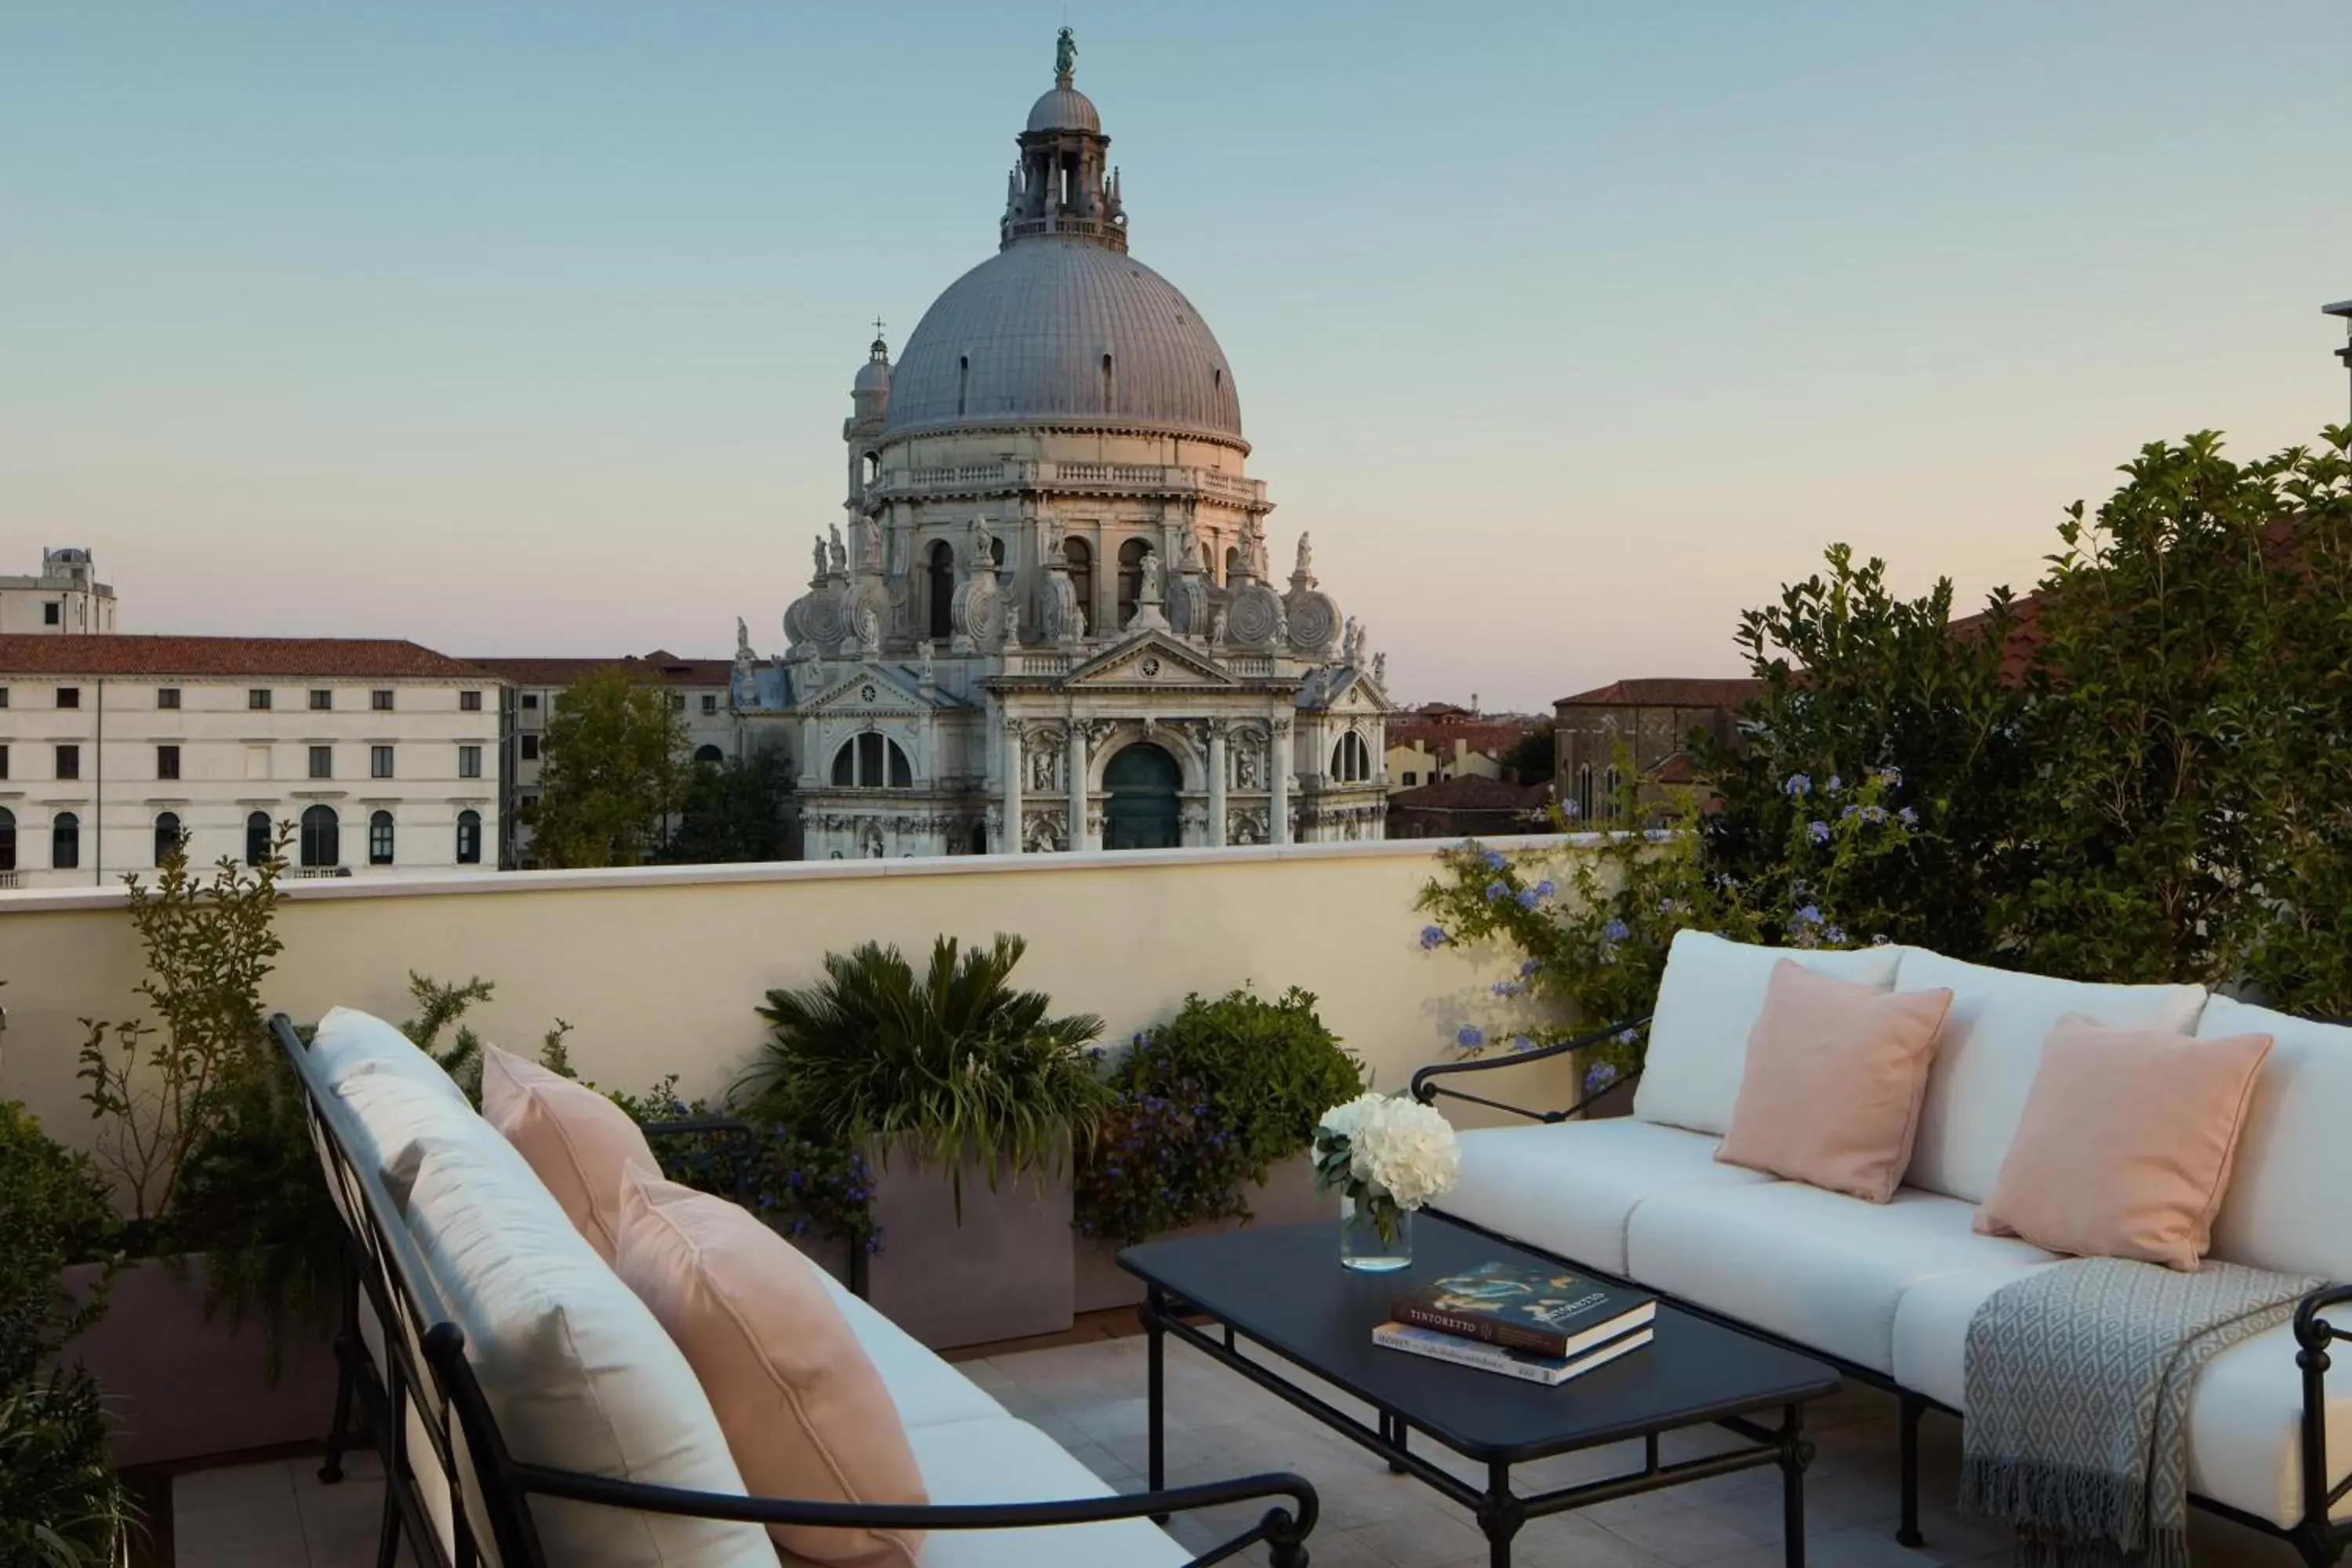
(612, 770)
(1532, 758)
(733, 810)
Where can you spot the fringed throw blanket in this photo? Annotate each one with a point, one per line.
(2078, 1381)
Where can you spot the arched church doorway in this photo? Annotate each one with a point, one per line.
(1143, 813)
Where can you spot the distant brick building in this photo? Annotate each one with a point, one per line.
(1653, 718)
(1470, 807)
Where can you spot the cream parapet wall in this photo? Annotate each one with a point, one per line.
(659, 968)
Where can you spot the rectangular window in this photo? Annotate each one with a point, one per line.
(257, 700)
(53, 614)
(323, 699)
(710, 702)
(379, 762)
(470, 761)
(167, 697)
(323, 761)
(1411, 778)
(530, 702)
(531, 748)
(3, 761)
(69, 696)
(469, 702)
(68, 761)
(167, 761)
(380, 699)
(3, 696)
(678, 701)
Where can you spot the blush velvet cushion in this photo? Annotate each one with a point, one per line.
(805, 1412)
(576, 1141)
(1835, 1075)
(2126, 1144)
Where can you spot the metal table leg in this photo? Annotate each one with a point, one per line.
(1796, 1453)
(1156, 1396)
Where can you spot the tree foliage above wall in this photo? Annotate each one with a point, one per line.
(613, 771)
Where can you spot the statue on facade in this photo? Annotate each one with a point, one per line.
(869, 630)
(743, 654)
(1253, 549)
(1154, 589)
(1217, 627)
(1065, 54)
(1041, 769)
(927, 669)
(1380, 669)
(838, 552)
(1306, 564)
(1352, 641)
(817, 560)
(1188, 545)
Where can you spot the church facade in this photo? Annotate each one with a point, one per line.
(1049, 620)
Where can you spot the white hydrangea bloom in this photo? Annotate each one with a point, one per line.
(1342, 1120)
(1404, 1149)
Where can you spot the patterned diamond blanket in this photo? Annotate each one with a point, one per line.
(2078, 1382)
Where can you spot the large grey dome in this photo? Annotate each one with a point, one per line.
(1064, 108)
(1053, 331)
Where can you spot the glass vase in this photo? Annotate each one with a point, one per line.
(1362, 1246)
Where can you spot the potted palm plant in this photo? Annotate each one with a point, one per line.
(969, 1095)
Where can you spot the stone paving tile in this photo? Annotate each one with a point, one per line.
(1087, 1396)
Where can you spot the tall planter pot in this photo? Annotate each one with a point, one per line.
(1287, 1196)
(179, 1387)
(1003, 1272)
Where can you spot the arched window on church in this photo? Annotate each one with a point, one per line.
(871, 760)
(1351, 760)
(1079, 557)
(1608, 805)
(942, 591)
(1233, 564)
(1584, 792)
(1130, 579)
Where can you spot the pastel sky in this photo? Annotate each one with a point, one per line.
(1569, 330)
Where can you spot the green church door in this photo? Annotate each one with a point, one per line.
(1143, 813)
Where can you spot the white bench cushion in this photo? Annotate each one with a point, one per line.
(927, 1390)
(578, 1372)
(1708, 999)
(999, 1460)
(1569, 1189)
(2244, 1414)
(1817, 1268)
(1991, 1049)
(2286, 1207)
(348, 1043)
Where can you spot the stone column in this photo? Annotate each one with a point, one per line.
(1079, 838)
(1277, 760)
(1010, 833)
(1216, 782)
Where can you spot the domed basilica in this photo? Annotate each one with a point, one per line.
(1048, 621)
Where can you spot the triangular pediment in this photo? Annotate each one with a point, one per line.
(1347, 689)
(1153, 659)
(871, 689)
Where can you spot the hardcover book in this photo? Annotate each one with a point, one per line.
(1549, 1371)
(1544, 1312)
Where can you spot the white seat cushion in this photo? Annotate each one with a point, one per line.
(1708, 999)
(1000, 1460)
(348, 1042)
(2285, 1208)
(1991, 1048)
(576, 1370)
(1814, 1266)
(927, 1390)
(1569, 1189)
(2244, 1414)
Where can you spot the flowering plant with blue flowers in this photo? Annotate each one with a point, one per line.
(804, 1186)
(1205, 1104)
(1590, 923)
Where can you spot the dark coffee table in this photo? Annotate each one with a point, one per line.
(1283, 1288)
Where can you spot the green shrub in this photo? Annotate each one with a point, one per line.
(1205, 1104)
(954, 1060)
(54, 1211)
(803, 1186)
(60, 1505)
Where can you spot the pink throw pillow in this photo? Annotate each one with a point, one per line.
(1835, 1076)
(2126, 1142)
(574, 1140)
(805, 1412)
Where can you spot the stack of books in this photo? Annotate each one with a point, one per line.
(1544, 1325)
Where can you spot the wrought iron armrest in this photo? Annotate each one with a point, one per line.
(2312, 1334)
(1426, 1088)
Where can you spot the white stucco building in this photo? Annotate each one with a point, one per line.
(383, 755)
(1049, 620)
(66, 597)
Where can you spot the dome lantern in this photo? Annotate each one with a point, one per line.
(1061, 187)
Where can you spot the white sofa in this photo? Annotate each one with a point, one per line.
(450, 1225)
(1887, 1291)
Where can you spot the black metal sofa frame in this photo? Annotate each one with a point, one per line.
(2320, 1540)
(428, 1375)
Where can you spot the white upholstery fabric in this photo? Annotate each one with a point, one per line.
(2289, 1204)
(2244, 1414)
(348, 1042)
(1814, 1266)
(927, 1390)
(1708, 999)
(394, 1111)
(1569, 1189)
(999, 1460)
(575, 1369)
(1991, 1048)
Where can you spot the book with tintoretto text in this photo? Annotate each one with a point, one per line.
(1553, 1312)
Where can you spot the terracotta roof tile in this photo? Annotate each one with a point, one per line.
(1669, 691)
(1472, 792)
(665, 666)
(115, 654)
